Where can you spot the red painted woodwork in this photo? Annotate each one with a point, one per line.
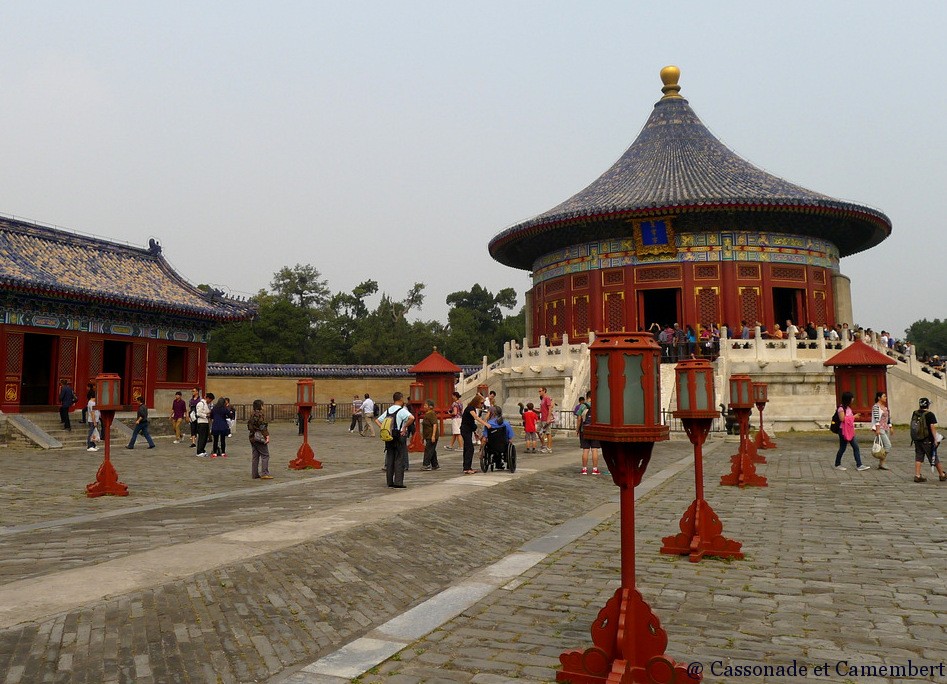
(106, 479)
(762, 440)
(610, 299)
(743, 471)
(80, 357)
(701, 529)
(305, 456)
(629, 642)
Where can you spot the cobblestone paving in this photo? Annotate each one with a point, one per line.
(248, 621)
(840, 566)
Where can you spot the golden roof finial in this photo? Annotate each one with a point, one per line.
(669, 76)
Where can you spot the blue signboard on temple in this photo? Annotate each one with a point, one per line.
(654, 233)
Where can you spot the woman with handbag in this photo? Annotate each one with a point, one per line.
(259, 442)
(881, 426)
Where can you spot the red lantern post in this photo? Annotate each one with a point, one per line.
(108, 399)
(416, 401)
(629, 641)
(700, 527)
(760, 397)
(305, 457)
(743, 472)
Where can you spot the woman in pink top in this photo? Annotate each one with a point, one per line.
(846, 433)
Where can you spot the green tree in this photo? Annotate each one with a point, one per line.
(477, 326)
(928, 337)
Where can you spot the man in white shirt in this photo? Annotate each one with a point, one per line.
(368, 415)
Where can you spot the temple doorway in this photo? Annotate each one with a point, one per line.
(38, 382)
(117, 359)
(661, 306)
(788, 304)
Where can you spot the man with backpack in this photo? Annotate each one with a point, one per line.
(393, 429)
(925, 438)
(583, 418)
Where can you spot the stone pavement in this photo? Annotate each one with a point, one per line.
(202, 575)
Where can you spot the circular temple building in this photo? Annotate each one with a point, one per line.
(681, 229)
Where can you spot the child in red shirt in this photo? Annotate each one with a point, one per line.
(529, 427)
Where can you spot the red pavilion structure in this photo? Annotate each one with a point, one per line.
(681, 229)
(76, 306)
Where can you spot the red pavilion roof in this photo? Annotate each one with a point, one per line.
(435, 363)
(859, 354)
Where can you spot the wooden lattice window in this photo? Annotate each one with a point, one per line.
(796, 273)
(748, 272)
(14, 353)
(820, 308)
(96, 352)
(580, 282)
(614, 311)
(616, 276)
(750, 305)
(646, 275)
(580, 316)
(706, 272)
(557, 285)
(192, 359)
(707, 309)
(819, 277)
(67, 357)
(555, 318)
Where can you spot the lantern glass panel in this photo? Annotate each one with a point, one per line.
(602, 406)
(700, 400)
(633, 395)
(683, 392)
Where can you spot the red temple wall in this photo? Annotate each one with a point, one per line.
(710, 293)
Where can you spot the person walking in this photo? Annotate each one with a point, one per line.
(368, 415)
(468, 425)
(925, 438)
(141, 425)
(219, 428)
(67, 397)
(330, 414)
(178, 411)
(356, 415)
(202, 410)
(881, 426)
(456, 411)
(192, 414)
(846, 433)
(89, 393)
(430, 431)
(259, 443)
(92, 417)
(396, 450)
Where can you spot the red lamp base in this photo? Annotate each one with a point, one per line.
(701, 535)
(629, 647)
(743, 472)
(763, 440)
(106, 482)
(305, 458)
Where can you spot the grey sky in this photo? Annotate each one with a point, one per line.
(392, 140)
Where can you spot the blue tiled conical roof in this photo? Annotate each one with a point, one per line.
(676, 166)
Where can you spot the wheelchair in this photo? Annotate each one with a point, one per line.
(497, 451)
